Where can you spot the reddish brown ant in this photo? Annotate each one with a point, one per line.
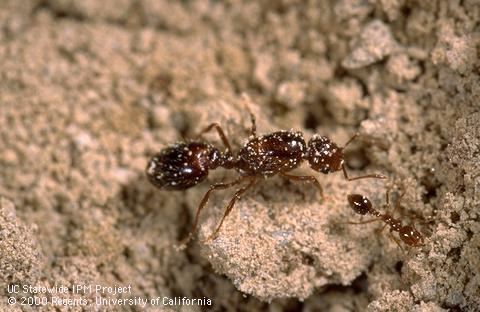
(183, 165)
(407, 233)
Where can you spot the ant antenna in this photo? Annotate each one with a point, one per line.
(344, 167)
(247, 101)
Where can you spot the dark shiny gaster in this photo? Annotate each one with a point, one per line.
(182, 165)
(361, 204)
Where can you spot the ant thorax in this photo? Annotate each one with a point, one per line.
(272, 153)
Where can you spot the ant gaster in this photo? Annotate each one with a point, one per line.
(183, 165)
(407, 233)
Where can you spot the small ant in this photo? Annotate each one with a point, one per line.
(183, 165)
(407, 233)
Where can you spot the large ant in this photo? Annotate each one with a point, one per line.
(407, 233)
(183, 165)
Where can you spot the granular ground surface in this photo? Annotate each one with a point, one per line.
(91, 89)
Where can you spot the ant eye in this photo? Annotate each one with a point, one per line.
(324, 155)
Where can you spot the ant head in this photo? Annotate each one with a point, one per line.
(181, 166)
(324, 155)
(411, 236)
(361, 204)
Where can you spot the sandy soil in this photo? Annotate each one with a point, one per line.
(91, 89)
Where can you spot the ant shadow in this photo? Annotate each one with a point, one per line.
(280, 191)
(141, 206)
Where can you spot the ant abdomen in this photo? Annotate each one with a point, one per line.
(359, 203)
(182, 165)
(324, 155)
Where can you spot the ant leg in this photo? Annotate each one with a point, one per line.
(363, 222)
(214, 187)
(382, 228)
(387, 197)
(253, 130)
(220, 132)
(310, 179)
(420, 220)
(246, 102)
(396, 241)
(351, 139)
(230, 206)
(374, 175)
(387, 200)
(379, 231)
(359, 222)
(397, 204)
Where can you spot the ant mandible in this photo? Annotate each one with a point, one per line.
(183, 165)
(407, 233)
